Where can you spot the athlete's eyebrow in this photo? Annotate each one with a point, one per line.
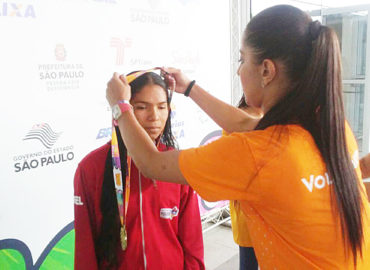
(145, 102)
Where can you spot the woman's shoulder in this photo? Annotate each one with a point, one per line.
(90, 171)
(95, 157)
(271, 142)
(271, 134)
(281, 132)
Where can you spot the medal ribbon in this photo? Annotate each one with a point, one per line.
(117, 175)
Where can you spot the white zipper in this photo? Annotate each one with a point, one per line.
(142, 222)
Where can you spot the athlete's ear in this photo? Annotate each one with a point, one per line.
(268, 71)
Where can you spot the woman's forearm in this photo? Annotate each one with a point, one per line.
(228, 117)
(365, 166)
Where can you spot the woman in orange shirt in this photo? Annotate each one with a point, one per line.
(297, 175)
(247, 256)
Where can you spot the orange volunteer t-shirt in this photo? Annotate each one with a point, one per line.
(239, 222)
(280, 179)
(239, 225)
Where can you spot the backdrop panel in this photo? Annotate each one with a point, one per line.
(55, 60)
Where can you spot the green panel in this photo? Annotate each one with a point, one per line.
(11, 259)
(61, 257)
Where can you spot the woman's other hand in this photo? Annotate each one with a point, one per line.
(175, 78)
(118, 89)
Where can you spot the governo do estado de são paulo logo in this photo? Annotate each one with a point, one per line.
(43, 134)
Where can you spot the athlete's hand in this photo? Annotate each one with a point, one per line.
(118, 89)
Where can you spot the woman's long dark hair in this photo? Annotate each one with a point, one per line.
(310, 54)
(242, 103)
(108, 240)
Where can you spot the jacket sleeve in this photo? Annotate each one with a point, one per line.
(190, 230)
(85, 257)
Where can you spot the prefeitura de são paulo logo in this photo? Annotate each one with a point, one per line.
(61, 74)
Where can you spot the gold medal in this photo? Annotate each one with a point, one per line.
(123, 237)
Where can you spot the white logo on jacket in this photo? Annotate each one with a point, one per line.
(78, 201)
(169, 213)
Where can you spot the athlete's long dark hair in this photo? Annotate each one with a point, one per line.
(310, 54)
(108, 242)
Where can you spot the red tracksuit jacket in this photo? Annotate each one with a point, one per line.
(171, 244)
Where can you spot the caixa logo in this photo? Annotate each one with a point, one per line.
(104, 133)
(8, 9)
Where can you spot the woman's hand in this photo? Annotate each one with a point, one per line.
(118, 89)
(175, 77)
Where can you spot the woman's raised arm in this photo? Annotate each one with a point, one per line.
(228, 117)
